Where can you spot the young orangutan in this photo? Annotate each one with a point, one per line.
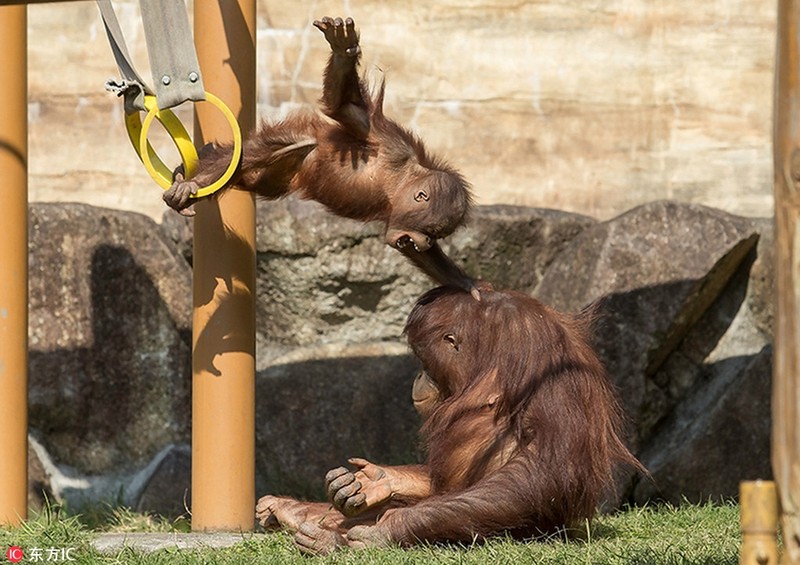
(352, 159)
(521, 425)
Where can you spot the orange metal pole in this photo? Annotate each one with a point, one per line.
(14, 265)
(223, 366)
(786, 365)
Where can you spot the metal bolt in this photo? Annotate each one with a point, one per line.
(193, 77)
(165, 80)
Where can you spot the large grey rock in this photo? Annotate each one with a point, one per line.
(738, 324)
(658, 268)
(719, 382)
(109, 337)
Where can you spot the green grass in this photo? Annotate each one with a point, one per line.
(690, 534)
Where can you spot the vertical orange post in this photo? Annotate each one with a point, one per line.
(786, 366)
(223, 365)
(14, 265)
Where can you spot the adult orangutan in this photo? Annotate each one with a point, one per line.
(352, 159)
(521, 426)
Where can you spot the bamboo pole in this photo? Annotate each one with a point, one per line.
(14, 265)
(759, 521)
(223, 364)
(786, 386)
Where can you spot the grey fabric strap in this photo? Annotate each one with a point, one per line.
(173, 59)
(131, 86)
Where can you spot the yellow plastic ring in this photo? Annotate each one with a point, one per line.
(138, 131)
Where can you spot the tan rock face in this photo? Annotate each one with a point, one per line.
(591, 107)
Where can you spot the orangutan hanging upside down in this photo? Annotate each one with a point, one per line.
(352, 159)
(521, 425)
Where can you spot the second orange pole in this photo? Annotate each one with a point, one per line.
(223, 360)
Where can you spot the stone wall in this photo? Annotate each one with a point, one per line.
(591, 107)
